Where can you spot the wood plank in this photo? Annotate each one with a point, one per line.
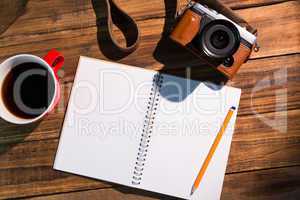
(157, 7)
(273, 184)
(250, 3)
(100, 194)
(26, 169)
(10, 11)
(51, 185)
(78, 37)
(257, 146)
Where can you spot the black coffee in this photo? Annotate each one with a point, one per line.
(28, 90)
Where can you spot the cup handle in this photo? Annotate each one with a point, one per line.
(55, 59)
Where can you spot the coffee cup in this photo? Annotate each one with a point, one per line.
(29, 87)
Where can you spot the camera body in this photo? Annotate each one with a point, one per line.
(221, 42)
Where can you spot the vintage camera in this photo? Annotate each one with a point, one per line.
(210, 35)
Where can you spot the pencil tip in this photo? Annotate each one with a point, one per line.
(233, 108)
(192, 191)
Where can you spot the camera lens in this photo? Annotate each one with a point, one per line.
(219, 39)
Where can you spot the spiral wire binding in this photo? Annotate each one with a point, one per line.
(152, 106)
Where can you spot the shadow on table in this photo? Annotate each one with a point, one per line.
(11, 134)
(133, 191)
(180, 62)
(176, 59)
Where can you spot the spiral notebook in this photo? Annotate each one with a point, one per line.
(146, 130)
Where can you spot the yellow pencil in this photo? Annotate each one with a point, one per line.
(213, 149)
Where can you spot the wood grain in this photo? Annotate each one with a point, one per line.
(78, 37)
(255, 145)
(253, 185)
(275, 184)
(10, 10)
(259, 146)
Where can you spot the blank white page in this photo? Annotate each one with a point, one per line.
(188, 119)
(102, 127)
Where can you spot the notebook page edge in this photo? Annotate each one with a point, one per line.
(57, 153)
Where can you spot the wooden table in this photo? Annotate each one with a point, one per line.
(264, 161)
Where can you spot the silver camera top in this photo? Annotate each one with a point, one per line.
(244, 33)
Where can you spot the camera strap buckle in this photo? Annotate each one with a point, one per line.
(256, 47)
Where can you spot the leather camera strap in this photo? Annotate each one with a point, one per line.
(118, 16)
